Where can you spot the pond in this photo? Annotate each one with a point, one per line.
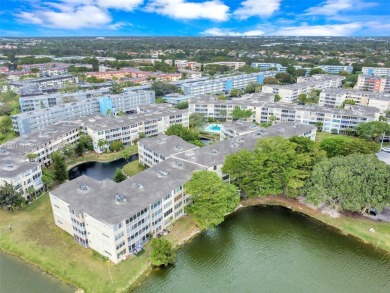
(99, 170)
(17, 276)
(271, 249)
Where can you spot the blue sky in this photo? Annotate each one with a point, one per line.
(194, 17)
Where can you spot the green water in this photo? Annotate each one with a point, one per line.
(270, 249)
(17, 276)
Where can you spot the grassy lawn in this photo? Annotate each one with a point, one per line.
(92, 156)
(133, 168)
(36, 239)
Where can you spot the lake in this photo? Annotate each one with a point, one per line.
(99, 170)
(271, 249)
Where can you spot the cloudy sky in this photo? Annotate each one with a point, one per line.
(194, 17)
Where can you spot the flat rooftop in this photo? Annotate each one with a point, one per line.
(141, 190)
(12, 165)
(166, 145)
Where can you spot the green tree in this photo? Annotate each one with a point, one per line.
(182, 105)
(372, 130)
(95, 64)
(315, 71)
(239, 113)
(116, 146)
(68, 151)
(48, 178)
(188, 135)
(283, 77)
(59, 167)
(161, 252)
(276, 166)
(235, 93)
(301, 98)
(348, 102)
(270, 80)
(10, 197)
(197, 120)
(119, 176)
(80, 148)
(222, 98)
(344, 146)
(32, 157)
(343, 73)
(251, 87)
(212, 198)
(162, 88)
(354, 183)
(87, 141)
(277, 98)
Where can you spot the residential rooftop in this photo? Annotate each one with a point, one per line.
(166, 145)
(97, 198)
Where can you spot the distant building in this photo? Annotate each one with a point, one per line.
(336, 69)
(269, 66)
(373, 83)
(376, 71)
(175, 99)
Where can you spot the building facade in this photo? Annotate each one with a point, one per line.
(373, 83)
(376, 71)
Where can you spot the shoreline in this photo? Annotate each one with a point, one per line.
(180, 235)
(98, 161)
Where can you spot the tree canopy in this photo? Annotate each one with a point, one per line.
(372, 130)
(59, 166)
(354, 183)
(239, 113)
(197, 120)
(188, 135)
(276, 166)
(344, 146)
(116, 146)
(161, 252)
(9, 196)
(212, 198)
(119, 176)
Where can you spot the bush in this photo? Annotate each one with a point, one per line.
(116, 146)
(162, 253)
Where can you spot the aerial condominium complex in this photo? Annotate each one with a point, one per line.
(376, 71)
(336, 97)
(331, 119)
(27, 122)
(25, 173)
(128, 129)
(51, 81)
(289, 93)
(224, 84)
(376, 84)
(115, 219)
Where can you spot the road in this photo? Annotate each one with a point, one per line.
(383, 156)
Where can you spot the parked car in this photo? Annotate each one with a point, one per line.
(387, 149)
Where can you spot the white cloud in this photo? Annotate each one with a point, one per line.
(29, 18)
(119, 25)
(320, 30)
(75, 18)
(261, 8)
(127, 5)
(181, 9)
(332, 7)
(226, 32)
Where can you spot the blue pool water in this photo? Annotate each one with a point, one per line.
(213, 128)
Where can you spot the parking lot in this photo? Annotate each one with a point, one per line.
(384, 156)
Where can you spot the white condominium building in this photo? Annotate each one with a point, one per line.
(376, 84)
(336, 97)
(336, 69)
(128, 129)
(224, 84)
(289, 93)
(376, 71)
(115, 219)
(27, 122)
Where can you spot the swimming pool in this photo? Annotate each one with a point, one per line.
(213, 128)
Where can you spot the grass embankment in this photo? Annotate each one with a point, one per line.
(35, 238)
(105, 157)
(355, 225)
(133, 168)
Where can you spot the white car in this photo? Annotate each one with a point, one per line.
(387, 149)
